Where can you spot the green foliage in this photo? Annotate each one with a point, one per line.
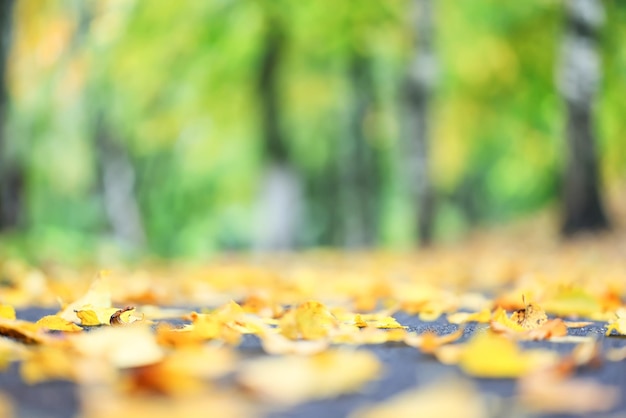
(177, 83)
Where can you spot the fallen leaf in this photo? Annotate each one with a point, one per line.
(618, 324)
(445, 399)
(98, 296)
(279, 344)
(294, 379)
(90, 316)
(314, 320)
(548, 392)
(56, 323)
(530, 317)
(122, 347)
(616, 354)
(23, 331)
(496, 356)
(7, 312)
(430, 341)
(47, 363)
(125, 316)
(483, 316)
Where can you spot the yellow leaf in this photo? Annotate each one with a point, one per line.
(314, 320)
(122, 347)
(97, 297)
(22, 331)
(429, 341)
(573, 301)
(56, 323)
(496, 356)
(483, 316)
(376, 320)
(445, 399)
(279, 344)
(618, 324)
(47, 363)
(92, 316)
(7, 312)
(296, 379)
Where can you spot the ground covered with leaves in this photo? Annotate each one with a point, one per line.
(494, 327)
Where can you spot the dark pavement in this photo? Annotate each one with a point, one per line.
(405, 368)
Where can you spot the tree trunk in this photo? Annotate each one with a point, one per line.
(280, 202)
(578, 84)
(419, 87)
(11, 170)
(117, 182)
(357, 171)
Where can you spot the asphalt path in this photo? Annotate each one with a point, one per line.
(404, 368)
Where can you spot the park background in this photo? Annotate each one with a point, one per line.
(184, 129)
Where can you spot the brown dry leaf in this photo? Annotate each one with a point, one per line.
(530, 317)
(125, 316)
(445, 399)
(496, 356)
(528, 325)
(56, 323)
(24, 331)
(294, 379)
(549, 392)
(430, 341)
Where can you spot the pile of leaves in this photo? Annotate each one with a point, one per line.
(170, 340)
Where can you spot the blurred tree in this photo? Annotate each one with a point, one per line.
(11, 170)
(115, 171)
(578, 83)
(420, 83)
(280, 202)
(357, 171)
(117, 182)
